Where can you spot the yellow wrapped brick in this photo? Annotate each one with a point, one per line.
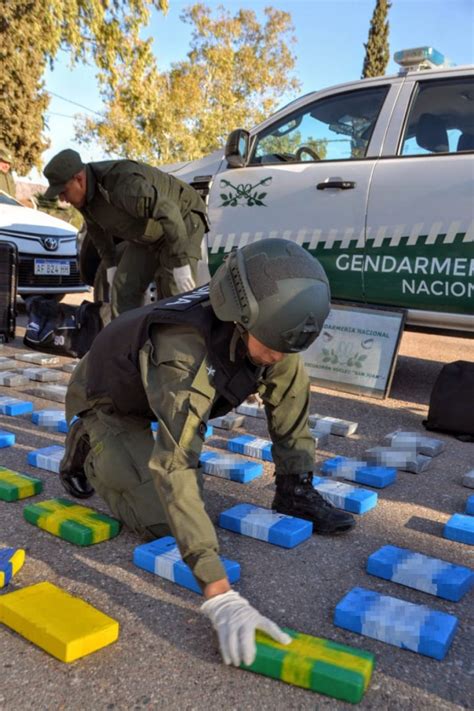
(65, 626)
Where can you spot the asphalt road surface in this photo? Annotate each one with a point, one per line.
(166, 656)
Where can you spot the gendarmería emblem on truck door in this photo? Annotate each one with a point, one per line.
(244, 193)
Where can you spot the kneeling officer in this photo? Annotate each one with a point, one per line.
(182, 361)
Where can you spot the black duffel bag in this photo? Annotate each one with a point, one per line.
(61, 329)
(452, 401)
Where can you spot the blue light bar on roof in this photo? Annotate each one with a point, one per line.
(427, 56)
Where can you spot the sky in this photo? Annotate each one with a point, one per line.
(329, 48)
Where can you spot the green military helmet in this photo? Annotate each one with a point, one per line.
(276, 291)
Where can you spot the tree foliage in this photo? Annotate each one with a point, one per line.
(31, 34)
(22, 98)
(377, 51)
(286, 146)
(68, 213)
(235, 71)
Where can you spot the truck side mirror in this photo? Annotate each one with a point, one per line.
(236, 148)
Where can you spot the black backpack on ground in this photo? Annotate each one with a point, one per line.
(452, 401)
(61, 329)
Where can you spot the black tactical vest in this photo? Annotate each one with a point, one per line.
(113, 368)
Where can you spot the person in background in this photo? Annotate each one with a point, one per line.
(7, 184)
(161, 219)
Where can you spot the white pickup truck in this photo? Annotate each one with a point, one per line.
(375, 178)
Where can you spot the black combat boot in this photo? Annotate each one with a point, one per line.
(71, 469)
(295, 496)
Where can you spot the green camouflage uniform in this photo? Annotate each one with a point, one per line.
(7, 184)
(156, 487)
(162, 219)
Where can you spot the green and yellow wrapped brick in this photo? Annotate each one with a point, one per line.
(76, 524)
(14, 486)
(316, 664)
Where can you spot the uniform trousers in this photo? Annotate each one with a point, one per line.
(141, 264)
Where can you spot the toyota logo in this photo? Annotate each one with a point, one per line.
(50, 243)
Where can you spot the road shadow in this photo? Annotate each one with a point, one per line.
(425, 525)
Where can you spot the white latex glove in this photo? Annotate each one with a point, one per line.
(183, 278)
(110, 275)
(235, 622)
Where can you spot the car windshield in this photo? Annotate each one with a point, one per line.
(8, 200)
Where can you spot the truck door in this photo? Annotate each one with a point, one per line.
(420, 230)
(307, 180)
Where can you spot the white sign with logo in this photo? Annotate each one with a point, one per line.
(357, 350)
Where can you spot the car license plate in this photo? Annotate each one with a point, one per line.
(48, 266)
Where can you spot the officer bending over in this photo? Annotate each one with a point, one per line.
(182, 361)
(162, 219)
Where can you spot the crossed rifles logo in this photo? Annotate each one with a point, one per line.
(243, 192)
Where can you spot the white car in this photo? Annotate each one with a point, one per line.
(47, 250)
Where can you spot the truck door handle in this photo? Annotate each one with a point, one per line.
(336, 183)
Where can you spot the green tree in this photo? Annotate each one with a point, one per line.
(235, 72)
(31, 34)
(377, 52)
(22, 98)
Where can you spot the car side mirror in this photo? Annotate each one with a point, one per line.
(237, 147)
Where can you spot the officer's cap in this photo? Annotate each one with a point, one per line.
(5, 154)
(61, 168)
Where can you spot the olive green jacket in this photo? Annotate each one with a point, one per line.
(136, 202)
(177, 377)
(7, 184)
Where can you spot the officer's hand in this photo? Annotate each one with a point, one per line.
(183, 278)
(110, 274)
(235, 622)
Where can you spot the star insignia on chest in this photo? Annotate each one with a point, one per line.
(210, 371)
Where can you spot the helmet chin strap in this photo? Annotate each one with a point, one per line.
(239, 335)
(239, 332)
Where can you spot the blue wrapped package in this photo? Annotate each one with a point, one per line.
(162, 557)
(13, 406)
(421, 572)
(47, 418)
(403, 624)
(460, 527)
(266, 525)
(251, 446)
(230, 467)
(7, 439)
(47, 458)
(344, 496)
(359, 471)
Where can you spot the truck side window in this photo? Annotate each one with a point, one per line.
(441, 118)
(338, 127)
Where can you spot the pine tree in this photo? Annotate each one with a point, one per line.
(377, 52)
